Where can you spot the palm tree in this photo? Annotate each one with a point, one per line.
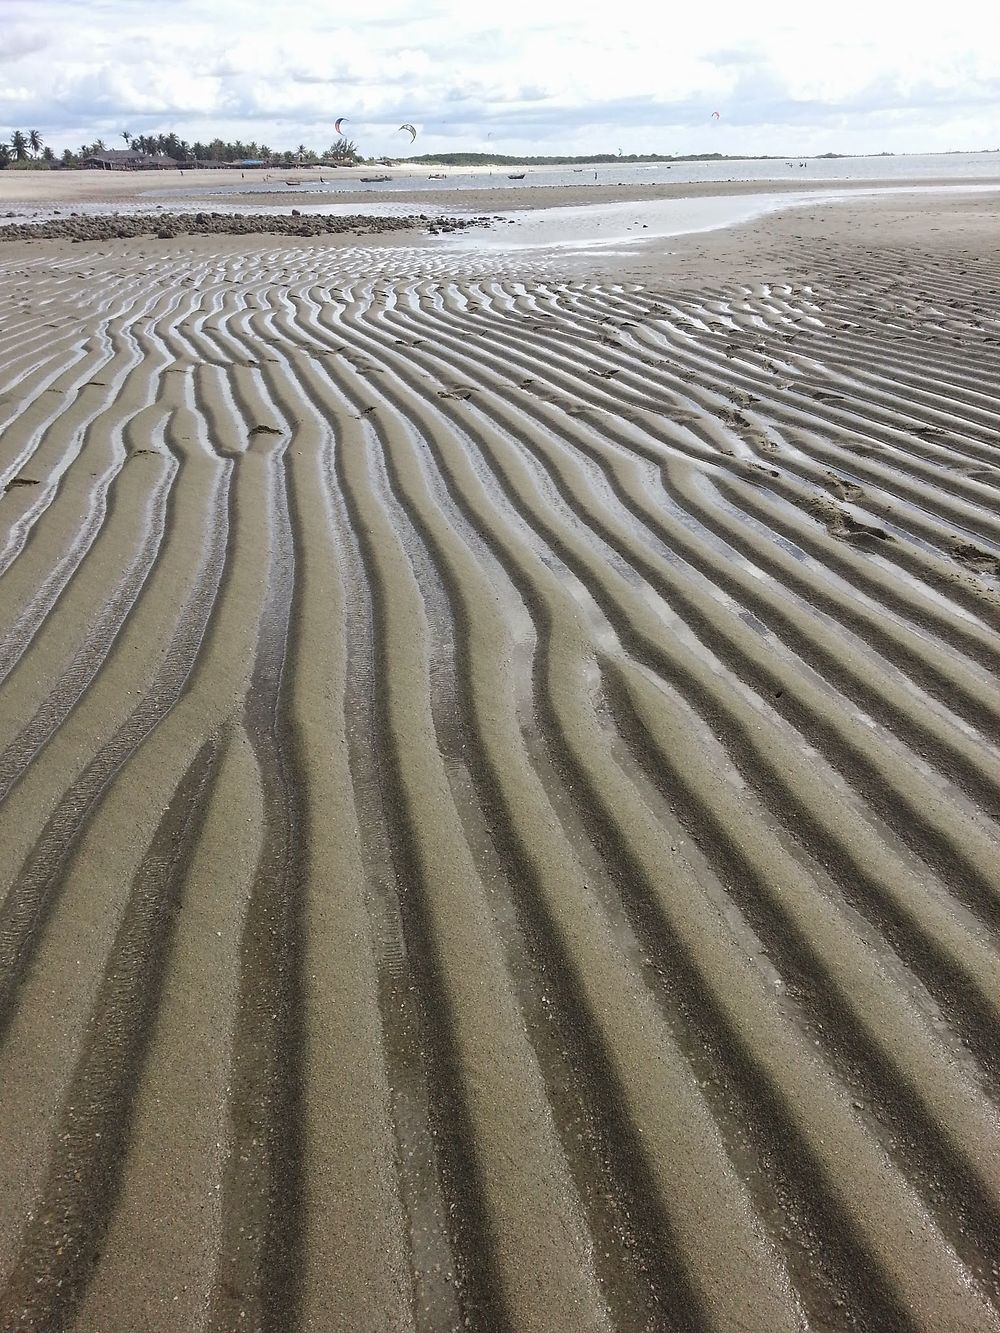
(4, 155)
(35, 143)
(127, 137)
(19, 145)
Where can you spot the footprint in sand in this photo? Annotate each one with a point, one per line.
(843, 490)
(842, 525)
(974, 557)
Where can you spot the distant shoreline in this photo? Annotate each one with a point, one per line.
(607, 159)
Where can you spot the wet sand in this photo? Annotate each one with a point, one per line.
(498, 780)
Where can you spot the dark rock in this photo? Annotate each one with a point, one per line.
(168, 226)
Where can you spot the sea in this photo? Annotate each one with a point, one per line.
(930, 167)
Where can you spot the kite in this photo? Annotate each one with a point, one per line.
(715, 115)
(338, 122)
(410, 130)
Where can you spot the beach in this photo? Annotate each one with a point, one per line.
(499, 752)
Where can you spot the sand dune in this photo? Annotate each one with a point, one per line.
(499, 795)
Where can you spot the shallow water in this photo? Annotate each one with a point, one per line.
(930, 166)
(591, 226)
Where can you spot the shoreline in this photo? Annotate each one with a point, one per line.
(28, 189)
(691, 232)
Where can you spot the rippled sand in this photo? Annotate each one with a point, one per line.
(499, 784)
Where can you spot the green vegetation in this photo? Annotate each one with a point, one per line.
(26, 150)
(169, 145)
(22, 151)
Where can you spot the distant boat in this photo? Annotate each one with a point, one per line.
(577, 170)
(516, 178)
(437, 176)
(374, 180)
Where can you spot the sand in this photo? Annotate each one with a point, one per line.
(498, 780)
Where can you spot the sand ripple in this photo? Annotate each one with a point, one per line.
(500, 797)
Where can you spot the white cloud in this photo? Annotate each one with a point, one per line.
(19, 40)
(546, 74)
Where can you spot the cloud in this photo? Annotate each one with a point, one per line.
(556, 74)
(18, 41)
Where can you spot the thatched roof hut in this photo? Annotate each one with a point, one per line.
(126, 159)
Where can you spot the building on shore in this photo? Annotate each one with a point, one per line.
(125, 159)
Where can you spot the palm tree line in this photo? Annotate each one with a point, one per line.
(23, 147)
(169, 145)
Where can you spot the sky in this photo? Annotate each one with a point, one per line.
(518, 77)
